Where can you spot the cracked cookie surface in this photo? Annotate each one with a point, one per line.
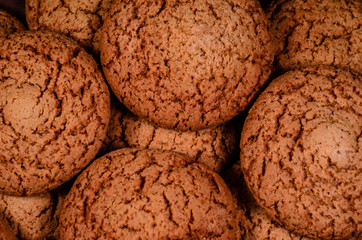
(78, 19)
(54, 111)
(9, 23)
(312, 32)
(301, 151)
(148, 194)
(215, 147)
(186, 65)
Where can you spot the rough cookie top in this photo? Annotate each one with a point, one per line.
(312, 32)
(301, 151)
(215, 147)
(30, 217)
(9, 23)
(186, 65)
(254, 223)
(148, 194)
(78, 19)
(54, 111)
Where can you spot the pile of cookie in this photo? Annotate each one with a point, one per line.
(171, 119)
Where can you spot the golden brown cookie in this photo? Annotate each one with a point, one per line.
(186, 65)
(313, 32)
(215, 147)
(54, 111)
(6, 233)
(253, 220)
(301, 151)
(80, 20)
(148, 194)
(9, 23)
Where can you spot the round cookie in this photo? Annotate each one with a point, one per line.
(6, 233)
(301, 151)
(54, 111)
(9, 24)
(148, 194)
(80, 20)
(186, 65)
(215, 147)
(254, 222)
(312, 32)
(30, 217)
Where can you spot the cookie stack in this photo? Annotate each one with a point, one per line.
(118, 116)
(215, 147)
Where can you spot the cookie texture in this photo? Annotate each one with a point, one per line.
(301, 152)
(54, 111)
(9, 23)
(186, 65)
(148, 194)
(254, 223)
(6, 233)
(215, 147)
(312, 32)
(80, 20)
(59, 195)
(30, 217)
(115, 138)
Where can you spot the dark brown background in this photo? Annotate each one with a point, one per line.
(14, 7)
